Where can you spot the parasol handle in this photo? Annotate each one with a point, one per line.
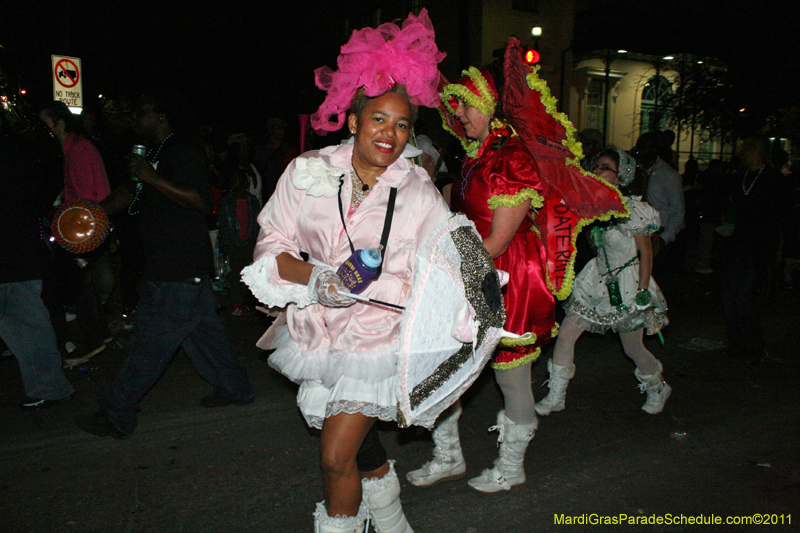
(370, 300)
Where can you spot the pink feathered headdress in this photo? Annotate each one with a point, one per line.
(376, 59)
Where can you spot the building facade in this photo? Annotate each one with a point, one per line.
(621, 93)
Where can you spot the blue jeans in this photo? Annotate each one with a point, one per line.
(170, 315)
(26, 328)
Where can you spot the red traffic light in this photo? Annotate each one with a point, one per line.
(532, 57)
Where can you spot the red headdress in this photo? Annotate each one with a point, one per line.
(477, 89)
(572, 198)
(376, 59)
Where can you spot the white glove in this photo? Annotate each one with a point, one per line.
(324, 286)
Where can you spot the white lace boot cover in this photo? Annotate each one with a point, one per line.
(656, 388)
(382, 498)
(557, 383)
(508, 469)
(448, 461)
(323, 523)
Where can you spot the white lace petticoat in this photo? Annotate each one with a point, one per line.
(350, 396)
(331, 384)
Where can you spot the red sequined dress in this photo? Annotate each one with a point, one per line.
(504, 174)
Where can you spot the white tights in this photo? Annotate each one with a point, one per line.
(515, 384)
(570, 331)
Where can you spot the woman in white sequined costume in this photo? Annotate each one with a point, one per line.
(615, 291)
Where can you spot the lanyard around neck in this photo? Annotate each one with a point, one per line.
(387, 223)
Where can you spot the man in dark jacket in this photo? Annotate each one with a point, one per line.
(177, 307)
(759, 203)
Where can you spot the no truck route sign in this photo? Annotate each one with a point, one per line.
(67, 80)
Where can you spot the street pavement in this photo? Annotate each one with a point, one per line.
(725, 446)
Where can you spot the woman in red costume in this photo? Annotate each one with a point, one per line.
(500, 187)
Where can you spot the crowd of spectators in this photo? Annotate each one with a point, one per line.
(66, 300)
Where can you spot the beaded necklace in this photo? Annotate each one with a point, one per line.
(498, 129)
(744, 178)
(360, 189)
(465, 175)
(153, 161)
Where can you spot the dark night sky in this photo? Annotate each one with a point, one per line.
(758, 40)
(227, 60)
(241, 62)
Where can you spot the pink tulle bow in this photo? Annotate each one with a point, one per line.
(376, 59)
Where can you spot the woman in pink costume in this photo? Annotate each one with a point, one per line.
(343, 352)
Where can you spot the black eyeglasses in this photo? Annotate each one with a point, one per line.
(603, 167)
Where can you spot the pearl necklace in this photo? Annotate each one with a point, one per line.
(154, 162)
(744, 178)
(360, 189)
(154, 159)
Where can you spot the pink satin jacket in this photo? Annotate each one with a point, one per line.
(303, 216)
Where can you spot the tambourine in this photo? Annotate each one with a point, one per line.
(80, 226)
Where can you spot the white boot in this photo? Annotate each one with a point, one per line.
(339, 524)
(448, 461)
(508, 469)
(559, 379)
(382, 496)
(656, 388)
